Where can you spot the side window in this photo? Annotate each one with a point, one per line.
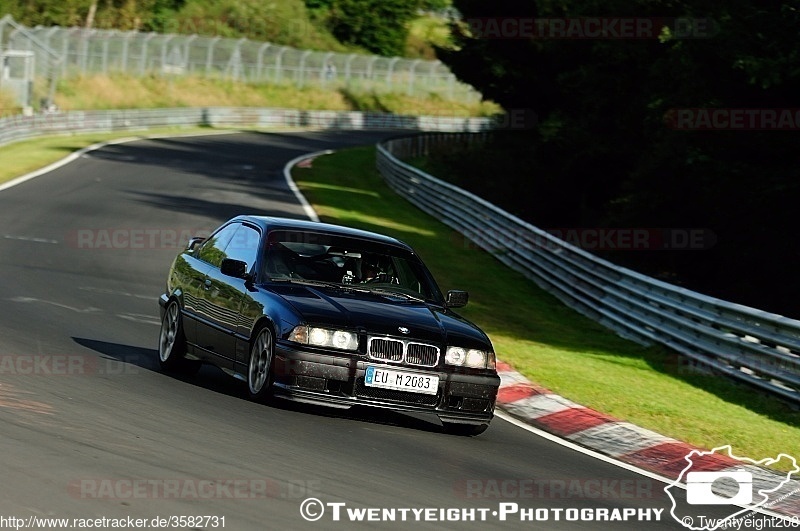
(213, 249)
(244, 245)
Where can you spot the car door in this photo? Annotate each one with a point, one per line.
(224, 296)
(245, 248)
(201, 306)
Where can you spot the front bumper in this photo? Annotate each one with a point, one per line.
(338, 381)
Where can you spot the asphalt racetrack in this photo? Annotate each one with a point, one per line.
(89, 428)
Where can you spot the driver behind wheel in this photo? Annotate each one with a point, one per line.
(372, 270)
(369, 272)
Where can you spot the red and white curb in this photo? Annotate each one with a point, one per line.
(541, 408)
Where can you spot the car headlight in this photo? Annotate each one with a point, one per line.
(473, 358)
(455, 356)
(324, 337)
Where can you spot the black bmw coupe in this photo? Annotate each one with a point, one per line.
(329, 315)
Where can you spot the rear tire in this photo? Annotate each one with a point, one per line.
(259, 367)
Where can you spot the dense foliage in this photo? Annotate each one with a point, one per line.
(380, 26)
(608, 151)
(377, 26)
(284, 22)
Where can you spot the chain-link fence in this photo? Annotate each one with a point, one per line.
(20, 66)
(91, 51)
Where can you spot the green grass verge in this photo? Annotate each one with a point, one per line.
(549, 343)
(120, 91)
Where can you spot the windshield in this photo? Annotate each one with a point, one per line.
(348, 262)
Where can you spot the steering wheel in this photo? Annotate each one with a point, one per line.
(382, 278)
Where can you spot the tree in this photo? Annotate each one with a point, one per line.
(604, 132)
(380, 26)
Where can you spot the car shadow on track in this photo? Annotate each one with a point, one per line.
(213, 379)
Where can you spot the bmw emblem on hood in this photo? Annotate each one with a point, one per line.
(403, 330)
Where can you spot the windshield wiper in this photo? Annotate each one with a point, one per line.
(393, 293)
(320, 283)
(306, 281)
(350, 287)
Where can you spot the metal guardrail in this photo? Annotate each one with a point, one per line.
(747, 344)
(21, 127)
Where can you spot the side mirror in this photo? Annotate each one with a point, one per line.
(194, 243)
(457, 298)
(234, 268)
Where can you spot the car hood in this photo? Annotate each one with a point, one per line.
(382, 315)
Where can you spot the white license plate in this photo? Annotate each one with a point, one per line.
(401, 381)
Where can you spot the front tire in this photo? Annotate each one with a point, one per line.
(259, 368)
(171, 340)
(172, 343)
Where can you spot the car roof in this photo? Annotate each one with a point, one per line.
(269, 223)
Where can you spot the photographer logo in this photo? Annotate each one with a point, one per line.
(713, 488)
(725, 491)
